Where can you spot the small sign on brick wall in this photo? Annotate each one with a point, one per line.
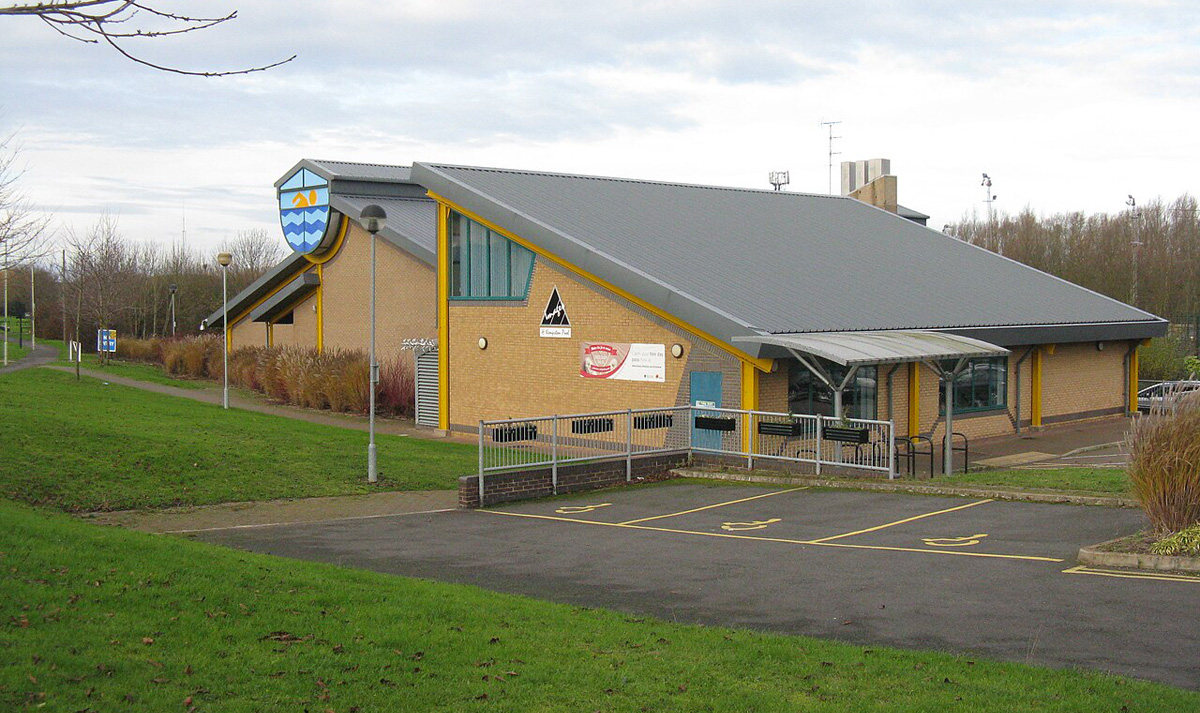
(555, 323)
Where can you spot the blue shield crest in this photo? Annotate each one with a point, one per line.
(304, 211)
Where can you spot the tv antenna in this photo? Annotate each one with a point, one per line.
(779, 179)
(832, 153)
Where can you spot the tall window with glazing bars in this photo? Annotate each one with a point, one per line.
(485, 265)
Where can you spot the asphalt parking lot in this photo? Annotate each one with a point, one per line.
(973, 576)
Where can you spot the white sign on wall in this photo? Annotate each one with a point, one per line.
(626, 362)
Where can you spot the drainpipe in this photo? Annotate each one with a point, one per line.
(1018, 370)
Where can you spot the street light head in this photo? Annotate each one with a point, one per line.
(172, 287)
(373, 218)
(224, 259)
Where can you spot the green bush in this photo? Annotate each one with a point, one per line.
(1186, 542)
(1164, 449)
(1164, 359)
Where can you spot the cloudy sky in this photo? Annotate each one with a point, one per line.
(1067, 105)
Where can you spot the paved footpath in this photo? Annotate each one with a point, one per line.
(240, 400)
(37, 356)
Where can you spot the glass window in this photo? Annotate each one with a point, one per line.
(809, 395)
(485, 264)
(981, 386)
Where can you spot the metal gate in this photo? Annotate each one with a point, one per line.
(426, 387)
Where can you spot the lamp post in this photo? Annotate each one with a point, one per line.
(5, 302)
(223, 259)
(172, 287)
(372, 218)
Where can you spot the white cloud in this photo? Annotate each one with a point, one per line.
(1067, 105)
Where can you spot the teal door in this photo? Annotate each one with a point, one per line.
(705, 391)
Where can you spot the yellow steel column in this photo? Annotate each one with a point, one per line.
(270, 334)
(443, 307)
(914, 399)
(749, 402)
(1133, 380)
(320, 309)
(1035, 388)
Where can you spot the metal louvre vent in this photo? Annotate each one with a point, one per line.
(427, 387)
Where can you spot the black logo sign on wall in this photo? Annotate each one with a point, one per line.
(555, 322)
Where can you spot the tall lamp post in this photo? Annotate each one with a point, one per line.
(173, 287)
(372, 218)
(223, 259)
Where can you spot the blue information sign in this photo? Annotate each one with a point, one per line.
(106, 340)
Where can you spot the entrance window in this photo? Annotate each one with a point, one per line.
(981, 386)
(809, 395)
(485, 265)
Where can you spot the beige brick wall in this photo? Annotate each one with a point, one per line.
(773, 389)
(1079, 378)
(406, 296)
(523, 374)
(406, 293)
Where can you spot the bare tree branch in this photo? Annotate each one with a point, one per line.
(91, 21)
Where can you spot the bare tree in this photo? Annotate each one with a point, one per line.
(24, 231)
(254, 252)
(116, 22)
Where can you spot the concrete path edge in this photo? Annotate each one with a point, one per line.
(1029, 496)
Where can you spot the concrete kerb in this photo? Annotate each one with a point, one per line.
(1088, 449)
(1096, 556)
(1030, 496)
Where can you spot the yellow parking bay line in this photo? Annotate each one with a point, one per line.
(899, 522)
(1122, 574)
(716, 505)
(730, 536)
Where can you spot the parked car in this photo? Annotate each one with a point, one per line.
(1164, 393)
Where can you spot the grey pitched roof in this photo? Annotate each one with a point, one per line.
(906, 212)
(411, 222)
(338, 170)
(738, 261)
(257, 289)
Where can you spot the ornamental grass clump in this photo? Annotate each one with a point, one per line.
(1164, 450)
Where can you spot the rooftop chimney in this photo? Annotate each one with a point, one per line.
(870, 181)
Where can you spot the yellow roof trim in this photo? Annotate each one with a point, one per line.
(758, 363)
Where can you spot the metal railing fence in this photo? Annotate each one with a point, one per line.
(520, 443)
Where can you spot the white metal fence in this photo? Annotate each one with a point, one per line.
(522, 443)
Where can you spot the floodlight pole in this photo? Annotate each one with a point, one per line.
(173, 287)
(223, 259)
(5, 303)
(372, 218)
(32, 309)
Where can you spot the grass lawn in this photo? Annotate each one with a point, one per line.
(85, 445)
(1111, 481)
(108, 619)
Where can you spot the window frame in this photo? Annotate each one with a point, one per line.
(464, 261)
(1002, 406)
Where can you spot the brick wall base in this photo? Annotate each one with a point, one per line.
(783, 466)
(574, 478)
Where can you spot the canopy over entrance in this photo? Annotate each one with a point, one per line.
(855, 349)
(867, 348)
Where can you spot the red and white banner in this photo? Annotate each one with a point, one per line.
(627, 362)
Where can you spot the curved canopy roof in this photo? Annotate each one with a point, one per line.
(866, 348)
